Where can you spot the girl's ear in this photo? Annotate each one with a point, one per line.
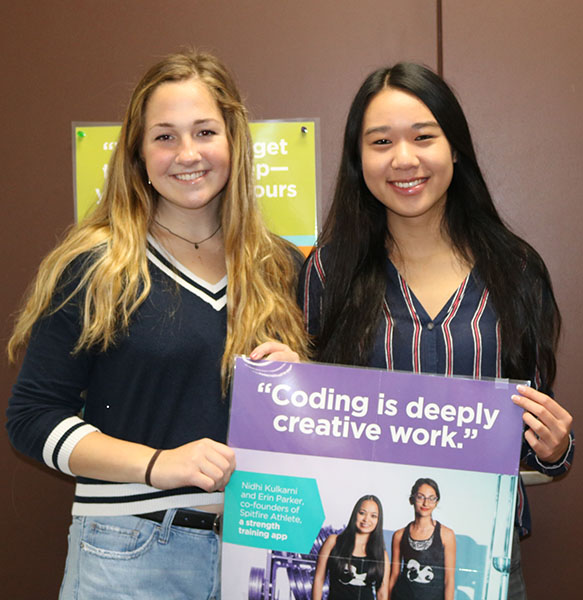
(454, 156)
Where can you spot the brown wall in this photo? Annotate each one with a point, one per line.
(516, 66)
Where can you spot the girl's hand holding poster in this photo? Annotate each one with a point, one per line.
(353, 481)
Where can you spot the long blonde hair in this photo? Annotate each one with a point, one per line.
(260, 267)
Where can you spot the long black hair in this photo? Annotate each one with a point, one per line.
(375, 546)
(356, 237)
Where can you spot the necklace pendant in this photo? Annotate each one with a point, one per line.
(195, 244)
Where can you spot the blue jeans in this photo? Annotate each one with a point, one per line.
(128, 557)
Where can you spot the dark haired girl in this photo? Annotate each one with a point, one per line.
(423, 552)
(415, 271)
(356, 559)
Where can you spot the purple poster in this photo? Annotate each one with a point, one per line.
(361, 483)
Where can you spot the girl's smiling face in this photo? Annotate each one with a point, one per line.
(367, 517)
(185, 146)
(425, 500)
(407, 162)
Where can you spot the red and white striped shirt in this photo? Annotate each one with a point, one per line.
(463, 339)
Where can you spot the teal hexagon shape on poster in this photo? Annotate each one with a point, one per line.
(277, 512)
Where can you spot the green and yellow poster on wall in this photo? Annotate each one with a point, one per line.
(285, 172)
(93, 145)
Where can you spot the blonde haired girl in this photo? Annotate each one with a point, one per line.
(131, 331)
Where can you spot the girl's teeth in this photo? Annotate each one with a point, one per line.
(189, 176)
(407, 184)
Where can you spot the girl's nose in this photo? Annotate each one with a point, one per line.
(187, 152)
(404, 156)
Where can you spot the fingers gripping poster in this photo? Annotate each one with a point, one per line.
(357, 483)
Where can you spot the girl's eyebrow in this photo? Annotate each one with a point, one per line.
(197, 122)
(379, 129)
(387, 128)
(425, 124)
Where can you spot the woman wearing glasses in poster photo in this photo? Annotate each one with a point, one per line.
(423, 552)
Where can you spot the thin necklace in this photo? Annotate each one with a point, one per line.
(195, 244)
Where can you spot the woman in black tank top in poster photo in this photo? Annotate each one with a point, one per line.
(423, 552)
(355, 560)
